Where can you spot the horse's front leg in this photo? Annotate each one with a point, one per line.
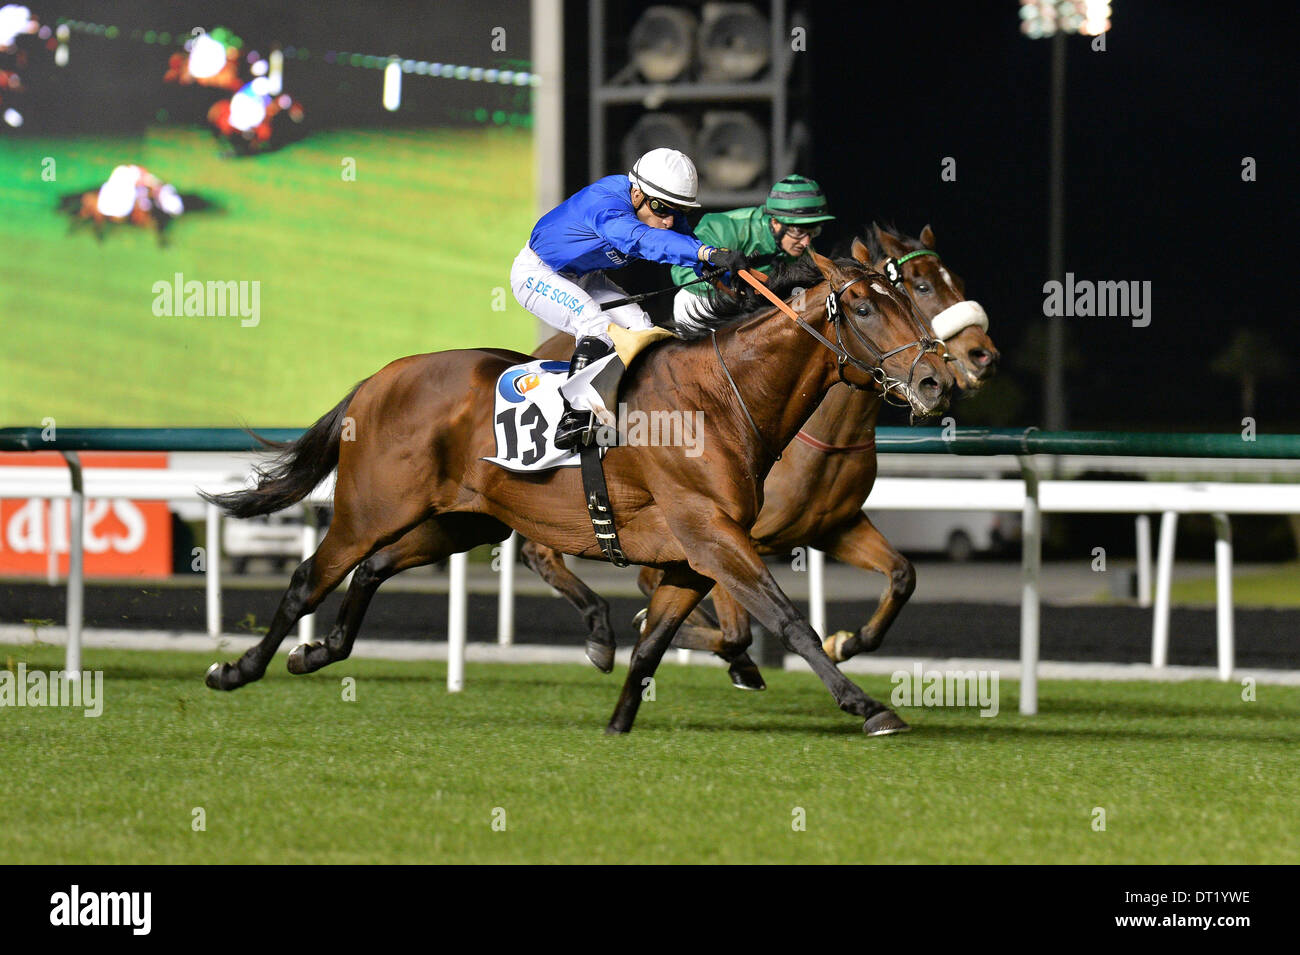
(721, 549)
(676, 596)
(861, 545)
(549, 565)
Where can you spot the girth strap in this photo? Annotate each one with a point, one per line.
(599, 509)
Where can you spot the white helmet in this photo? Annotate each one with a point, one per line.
(667, 174)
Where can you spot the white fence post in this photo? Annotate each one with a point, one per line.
(1031, 556)
(456, 618)
(1144, 560)
(1223, 593)
(76, 566)
(213, 570)
(506, 591)
(817, 591)
(1164, 581)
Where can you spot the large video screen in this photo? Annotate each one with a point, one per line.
(218, 214)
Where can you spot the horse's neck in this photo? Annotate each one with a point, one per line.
(782, 373)
(846, 416)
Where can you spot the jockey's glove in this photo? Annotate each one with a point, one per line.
(728, 259)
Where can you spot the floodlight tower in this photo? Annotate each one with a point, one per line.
(1056, 18)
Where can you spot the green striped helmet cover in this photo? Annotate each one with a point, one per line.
(796, 200)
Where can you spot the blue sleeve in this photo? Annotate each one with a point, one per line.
(634, 238)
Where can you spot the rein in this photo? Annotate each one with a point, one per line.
(924, 344)
(887, 383)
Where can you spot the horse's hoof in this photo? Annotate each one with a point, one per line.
(215, 678)
(834, 645)
(638, 622)
(298, 659)
(612, 730)
(745, 675)
(885, 723)
(601, 655)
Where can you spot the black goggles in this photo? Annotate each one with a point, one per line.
(663, 209)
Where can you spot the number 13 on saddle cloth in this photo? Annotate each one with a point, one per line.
(530, 401)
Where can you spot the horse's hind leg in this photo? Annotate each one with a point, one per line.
(862, 545)
(729, 640)
(673, 600)
(426, 543)
(341, 550)
(549, 565)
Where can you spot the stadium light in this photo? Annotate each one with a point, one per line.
(1056, 18)
(735, 42)
(662, 43)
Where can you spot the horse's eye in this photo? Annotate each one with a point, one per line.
(861, 309)
(923, 289)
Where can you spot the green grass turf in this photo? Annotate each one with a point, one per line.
(288, 772)
(410, 257)
(1277, 587)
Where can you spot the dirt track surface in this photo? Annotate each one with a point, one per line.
(1264, 638)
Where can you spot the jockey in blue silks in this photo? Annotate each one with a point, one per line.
(560, 274)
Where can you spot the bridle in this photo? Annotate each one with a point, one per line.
(894, 266)
(887, 383)
(924, 344)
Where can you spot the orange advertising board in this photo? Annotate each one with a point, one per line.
(123, 538)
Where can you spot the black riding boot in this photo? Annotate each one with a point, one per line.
(574, 429)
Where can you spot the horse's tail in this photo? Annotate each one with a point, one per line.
(300, 466)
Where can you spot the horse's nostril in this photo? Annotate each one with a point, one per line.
(930, 387)
(980, 356)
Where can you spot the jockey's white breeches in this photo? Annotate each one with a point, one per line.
(117, 197)
(571, 303)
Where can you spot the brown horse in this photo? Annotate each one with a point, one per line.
(424, 424)
(83, 207)
(813, 496)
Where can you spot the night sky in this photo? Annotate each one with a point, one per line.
(1157, 127)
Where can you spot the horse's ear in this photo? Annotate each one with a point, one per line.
(860, 251)
(890, 243)
(829, 270)
(927, 236)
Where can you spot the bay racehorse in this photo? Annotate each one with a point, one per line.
(813, 496)
(422, 426)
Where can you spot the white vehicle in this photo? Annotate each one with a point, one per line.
(958, 534)
(276, 537)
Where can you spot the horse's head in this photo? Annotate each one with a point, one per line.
(882, 343)
(939, 295)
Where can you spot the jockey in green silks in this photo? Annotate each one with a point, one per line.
(780, 229)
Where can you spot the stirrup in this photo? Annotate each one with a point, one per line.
(575, 429)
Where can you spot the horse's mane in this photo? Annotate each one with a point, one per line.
(718, 309)
(874, 247)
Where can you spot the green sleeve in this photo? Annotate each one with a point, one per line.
(717, 229)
